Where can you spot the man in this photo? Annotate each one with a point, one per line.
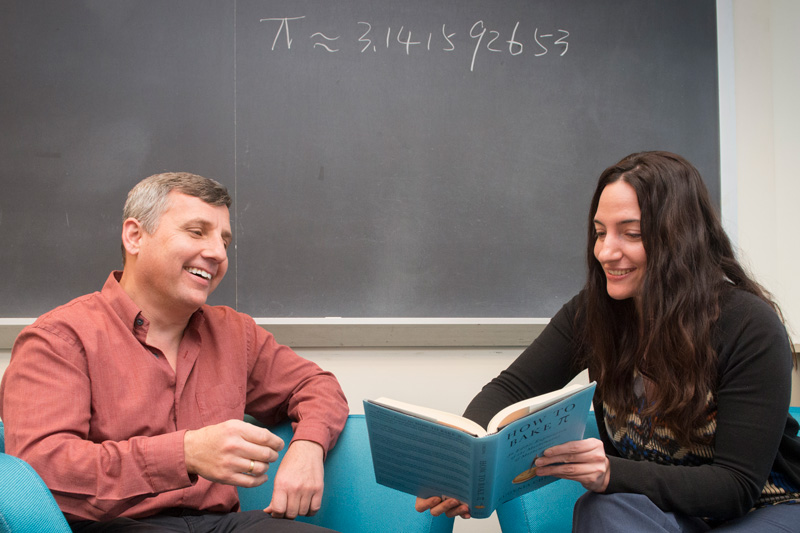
(129, 402)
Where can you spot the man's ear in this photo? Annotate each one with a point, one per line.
(132, 233)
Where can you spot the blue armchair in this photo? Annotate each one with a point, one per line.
(26, 504)
(353, 501)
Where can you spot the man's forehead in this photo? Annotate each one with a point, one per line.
(186, 200)
(187, 207)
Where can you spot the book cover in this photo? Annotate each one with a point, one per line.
(420, 456)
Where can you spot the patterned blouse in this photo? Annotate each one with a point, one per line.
(642, 438)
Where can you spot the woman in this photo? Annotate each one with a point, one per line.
(692, 363)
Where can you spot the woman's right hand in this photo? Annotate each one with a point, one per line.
(442, 505)
(584, 461)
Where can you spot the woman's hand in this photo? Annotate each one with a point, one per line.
(583, 461)
(443, 505)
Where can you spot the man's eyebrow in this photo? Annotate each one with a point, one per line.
(206, 223)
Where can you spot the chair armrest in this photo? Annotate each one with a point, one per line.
(352, 499)
(26, 504)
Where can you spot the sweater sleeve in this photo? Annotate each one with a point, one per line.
(752, 400)
(549, 363)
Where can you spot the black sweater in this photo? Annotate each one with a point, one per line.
(755, 436)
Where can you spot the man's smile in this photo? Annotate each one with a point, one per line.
(198, 272)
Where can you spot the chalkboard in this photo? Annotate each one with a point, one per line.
(387, 159)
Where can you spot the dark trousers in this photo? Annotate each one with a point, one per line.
(193, 522)
(598, 513)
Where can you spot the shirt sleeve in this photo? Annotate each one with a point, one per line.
(283, 384)
(752, 399)
(45, 403)
(549, 363)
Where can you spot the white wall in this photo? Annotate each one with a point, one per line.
(767, 62)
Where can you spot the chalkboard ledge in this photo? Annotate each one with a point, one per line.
(10, 328)
(376, 332)
(373, 332)
(403, 332)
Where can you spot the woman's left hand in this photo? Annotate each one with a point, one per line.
(583, 461)
(450, 507)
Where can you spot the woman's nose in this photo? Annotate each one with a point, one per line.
(608, 249)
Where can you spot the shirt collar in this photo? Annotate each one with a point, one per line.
(128, 311)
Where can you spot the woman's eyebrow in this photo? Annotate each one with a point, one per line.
(621, 222)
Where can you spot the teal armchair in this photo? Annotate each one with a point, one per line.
(353, 502)
(26, 504)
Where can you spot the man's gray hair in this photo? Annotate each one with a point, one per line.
(148, 200)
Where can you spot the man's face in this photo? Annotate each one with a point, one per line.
(185, 258)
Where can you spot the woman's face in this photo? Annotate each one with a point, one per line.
(618, 246)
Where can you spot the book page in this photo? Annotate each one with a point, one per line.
(531, 405)
(433, 415)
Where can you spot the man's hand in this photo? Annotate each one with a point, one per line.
(233, 452)
(584, 461)
(299, 482)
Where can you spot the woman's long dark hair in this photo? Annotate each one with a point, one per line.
(667, 335)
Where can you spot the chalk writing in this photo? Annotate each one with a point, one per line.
(482, 39)
(284, 26)
(323, 45)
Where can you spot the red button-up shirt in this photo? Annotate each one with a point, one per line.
(101, 416)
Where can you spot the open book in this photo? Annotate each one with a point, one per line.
(427, 452)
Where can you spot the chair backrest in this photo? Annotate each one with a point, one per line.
(26, 504)
(353, 500)
(548, 509)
